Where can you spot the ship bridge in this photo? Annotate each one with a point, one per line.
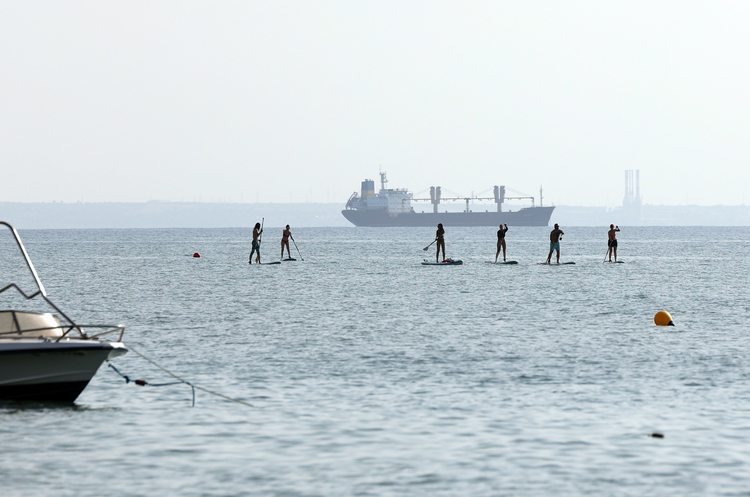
(393, 200)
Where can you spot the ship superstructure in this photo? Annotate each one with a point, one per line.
(396, 201)
(393, 207)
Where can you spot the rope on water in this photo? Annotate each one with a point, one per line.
(144, 383)
(179, 380)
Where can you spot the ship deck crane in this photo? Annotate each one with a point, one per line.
(499, 198)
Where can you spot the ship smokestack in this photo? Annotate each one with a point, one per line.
(368, 188)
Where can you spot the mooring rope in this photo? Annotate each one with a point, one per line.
(145, 383)
(179, 380)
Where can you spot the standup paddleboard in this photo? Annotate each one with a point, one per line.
(266, 263)
(505, 262)
(289, 259)
(554, 263)
(614, 262)
(447, 262)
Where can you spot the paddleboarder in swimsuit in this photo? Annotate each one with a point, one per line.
(439, 234)
(501, 241)
(554, 243)
(256, 244)
(612, 241)
(285, 236)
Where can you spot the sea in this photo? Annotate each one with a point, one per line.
(370, 374)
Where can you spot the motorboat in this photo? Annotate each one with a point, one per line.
(46, 356)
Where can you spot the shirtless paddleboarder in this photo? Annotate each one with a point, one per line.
(554, 243)
(612, 241)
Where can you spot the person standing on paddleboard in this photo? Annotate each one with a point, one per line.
(256, 244)
(554, 243)
(501, 241)
(439, 234)
(612, 241)
(285, 236)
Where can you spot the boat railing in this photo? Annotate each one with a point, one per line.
(115, 329)
(72, 326)
(27, 297)
(42, 292)
(110, 328)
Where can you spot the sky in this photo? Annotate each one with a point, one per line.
(280, 101)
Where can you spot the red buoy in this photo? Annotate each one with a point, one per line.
(196, 255)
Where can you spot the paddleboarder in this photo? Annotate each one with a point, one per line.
(554, 243)
(285, 236)
(257, 231)
(501, 241)
(439, 234)
(612, 241)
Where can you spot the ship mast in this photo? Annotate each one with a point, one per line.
(383, 180)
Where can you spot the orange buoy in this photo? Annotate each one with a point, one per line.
(663, 318)
(196, 255)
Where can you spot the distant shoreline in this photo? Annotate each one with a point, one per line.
(158, 214)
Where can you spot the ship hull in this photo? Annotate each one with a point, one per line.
(530, 216)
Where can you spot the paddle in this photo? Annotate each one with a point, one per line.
(260, 236)
(295, 246)
(609, 248)
(428, 246)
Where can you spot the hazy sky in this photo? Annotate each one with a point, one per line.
(280, 101)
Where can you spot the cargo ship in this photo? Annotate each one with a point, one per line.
(393, 207)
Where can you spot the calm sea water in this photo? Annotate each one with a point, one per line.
(373, 375)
